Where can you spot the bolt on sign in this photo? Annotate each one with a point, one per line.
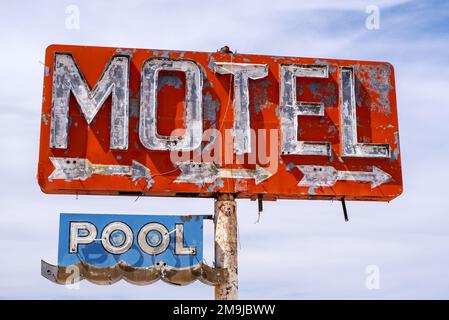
(178, 123)
(104, 248)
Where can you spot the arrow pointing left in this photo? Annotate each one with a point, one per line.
(81, 169)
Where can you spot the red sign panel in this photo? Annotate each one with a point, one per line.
(177, 123)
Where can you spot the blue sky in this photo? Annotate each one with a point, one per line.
(300, 249)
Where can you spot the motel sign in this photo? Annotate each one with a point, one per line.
(177, 123)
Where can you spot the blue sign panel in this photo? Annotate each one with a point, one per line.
(141, 241)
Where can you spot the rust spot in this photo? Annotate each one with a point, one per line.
(140, 276)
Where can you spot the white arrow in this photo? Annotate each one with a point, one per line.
(326, 176)
(207, 172)
(80, 169)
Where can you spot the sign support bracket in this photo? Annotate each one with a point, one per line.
(345, 211)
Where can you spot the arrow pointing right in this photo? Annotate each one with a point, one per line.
(81, 169)
(327, 176)
(208, 172)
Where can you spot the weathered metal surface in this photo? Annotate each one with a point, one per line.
(66, 275)
(204, 172)
(350, 146)
(71, 169)
(326, 176)
(172, 110)
(148, 105)
(291, 109)
(67, 79)
(226, 246)
(242, 73)
(140, 241)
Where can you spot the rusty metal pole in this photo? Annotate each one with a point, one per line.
(225, 220)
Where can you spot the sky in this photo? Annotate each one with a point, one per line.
(299, 249)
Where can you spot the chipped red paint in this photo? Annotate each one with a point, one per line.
(376, 113)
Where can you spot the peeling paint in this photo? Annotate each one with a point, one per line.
(327, 94)
(208, 84)
(290, 166)
(70, 169)
(192, 111)
(218, 183)
(134, 104)
(242, 73)
(396, 138)
(260, 95)
(210, 109)
(332, 66)
(377, 77)
(140, 276)
(68, 78)
(394, 155)
(208, 172)
(186, 218)
(332, 156)
(350, 145)
(326, 176)
(290, 109)
(240, 185)
(126, 52)
(169, 80)
(44, 119)
(211, 64)
(311, 190)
